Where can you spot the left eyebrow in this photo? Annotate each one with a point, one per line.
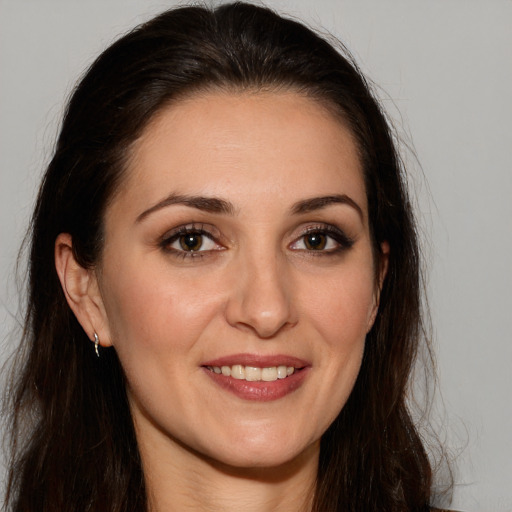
(317, 203)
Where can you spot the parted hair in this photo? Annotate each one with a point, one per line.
(73, 443)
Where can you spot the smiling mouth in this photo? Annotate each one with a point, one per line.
(254, 373)
(256, 377)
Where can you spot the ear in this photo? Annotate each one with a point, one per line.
(80, 286)
(383, 262)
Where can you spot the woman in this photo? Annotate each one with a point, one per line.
(225, 219)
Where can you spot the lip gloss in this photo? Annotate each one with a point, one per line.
(258, 390)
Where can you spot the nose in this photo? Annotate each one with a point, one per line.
(262, 297)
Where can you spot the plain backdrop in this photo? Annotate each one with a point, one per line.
(444, 71)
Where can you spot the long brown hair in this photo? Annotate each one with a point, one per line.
(74, 447)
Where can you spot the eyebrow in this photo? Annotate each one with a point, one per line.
(205, 204)
(317, 203)
(220, 206)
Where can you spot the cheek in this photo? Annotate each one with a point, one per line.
(149, 309)
(341, 309)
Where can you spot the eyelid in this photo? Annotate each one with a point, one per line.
(193, 227)
(342, 240)
(174, 234)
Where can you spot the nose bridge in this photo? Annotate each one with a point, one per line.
(261, 300)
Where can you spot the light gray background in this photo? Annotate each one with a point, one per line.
(445, 69)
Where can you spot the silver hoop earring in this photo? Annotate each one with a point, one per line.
(96, 344)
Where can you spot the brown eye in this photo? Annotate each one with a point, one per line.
(191, 242)
(315, 241)
(322, 240)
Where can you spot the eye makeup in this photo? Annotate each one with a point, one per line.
(322, 240)
(195, 240)
(191, 241)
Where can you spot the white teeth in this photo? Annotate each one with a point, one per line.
(281, 372)
(238, 371)
(269, 374)
(253, 373)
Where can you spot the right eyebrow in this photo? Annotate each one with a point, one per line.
(206, 204)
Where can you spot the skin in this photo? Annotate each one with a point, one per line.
(253, 287)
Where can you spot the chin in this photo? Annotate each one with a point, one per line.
(248, 455)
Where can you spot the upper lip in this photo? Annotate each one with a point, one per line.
(258, 361)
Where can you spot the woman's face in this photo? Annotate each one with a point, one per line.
(237, 277)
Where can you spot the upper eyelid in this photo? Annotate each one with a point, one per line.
(174, 234)
(330, 230)
(203, 229)
(321, 226)
(212, 232)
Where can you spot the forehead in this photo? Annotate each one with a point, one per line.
(279, 144)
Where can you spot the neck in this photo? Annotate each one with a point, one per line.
(180, 480)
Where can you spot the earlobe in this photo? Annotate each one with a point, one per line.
(81, 290)
(383, 263)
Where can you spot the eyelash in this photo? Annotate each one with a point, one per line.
(343, 241)
(175, 235)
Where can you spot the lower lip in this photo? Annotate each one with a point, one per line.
(260, 391)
